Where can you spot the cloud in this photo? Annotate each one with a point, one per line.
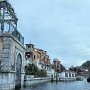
(59, 26)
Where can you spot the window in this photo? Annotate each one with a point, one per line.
(72, 75)
(66, 74)
(75, 75)
(28, 46)
(27, 55)
(69, 74)
(34, 56)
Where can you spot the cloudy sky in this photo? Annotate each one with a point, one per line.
(61, 27)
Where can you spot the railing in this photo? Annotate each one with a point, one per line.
(17, 35)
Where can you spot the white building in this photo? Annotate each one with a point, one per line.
(67, 75)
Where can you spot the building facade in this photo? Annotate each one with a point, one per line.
(38, 57)
(68, 75)
(56, 65)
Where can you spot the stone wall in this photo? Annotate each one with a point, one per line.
(7, 81)
(32, 81)
(5, 54)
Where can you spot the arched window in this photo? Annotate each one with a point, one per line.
(34, 57)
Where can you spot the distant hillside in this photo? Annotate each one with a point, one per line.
(86, 65)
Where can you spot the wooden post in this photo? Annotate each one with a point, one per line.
(52, 78)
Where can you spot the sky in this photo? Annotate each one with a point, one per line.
(60, 27)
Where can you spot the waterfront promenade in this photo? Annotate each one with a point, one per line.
(74, 85)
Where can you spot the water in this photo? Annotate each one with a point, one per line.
(75, 85)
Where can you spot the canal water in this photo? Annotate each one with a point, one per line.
(74, 85)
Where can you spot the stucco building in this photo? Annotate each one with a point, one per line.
(38, 57)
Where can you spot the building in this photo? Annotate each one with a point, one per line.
(56, 65)
(38, 57)
(68, 75)
(12, 50)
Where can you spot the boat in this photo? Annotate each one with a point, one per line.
(88, 79)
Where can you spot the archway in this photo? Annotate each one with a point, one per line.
(18, 71)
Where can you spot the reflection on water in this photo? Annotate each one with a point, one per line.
(75, 85)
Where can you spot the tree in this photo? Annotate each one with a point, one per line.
(32, 69)
(62, 68)
(41, 73)
(86, 65)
